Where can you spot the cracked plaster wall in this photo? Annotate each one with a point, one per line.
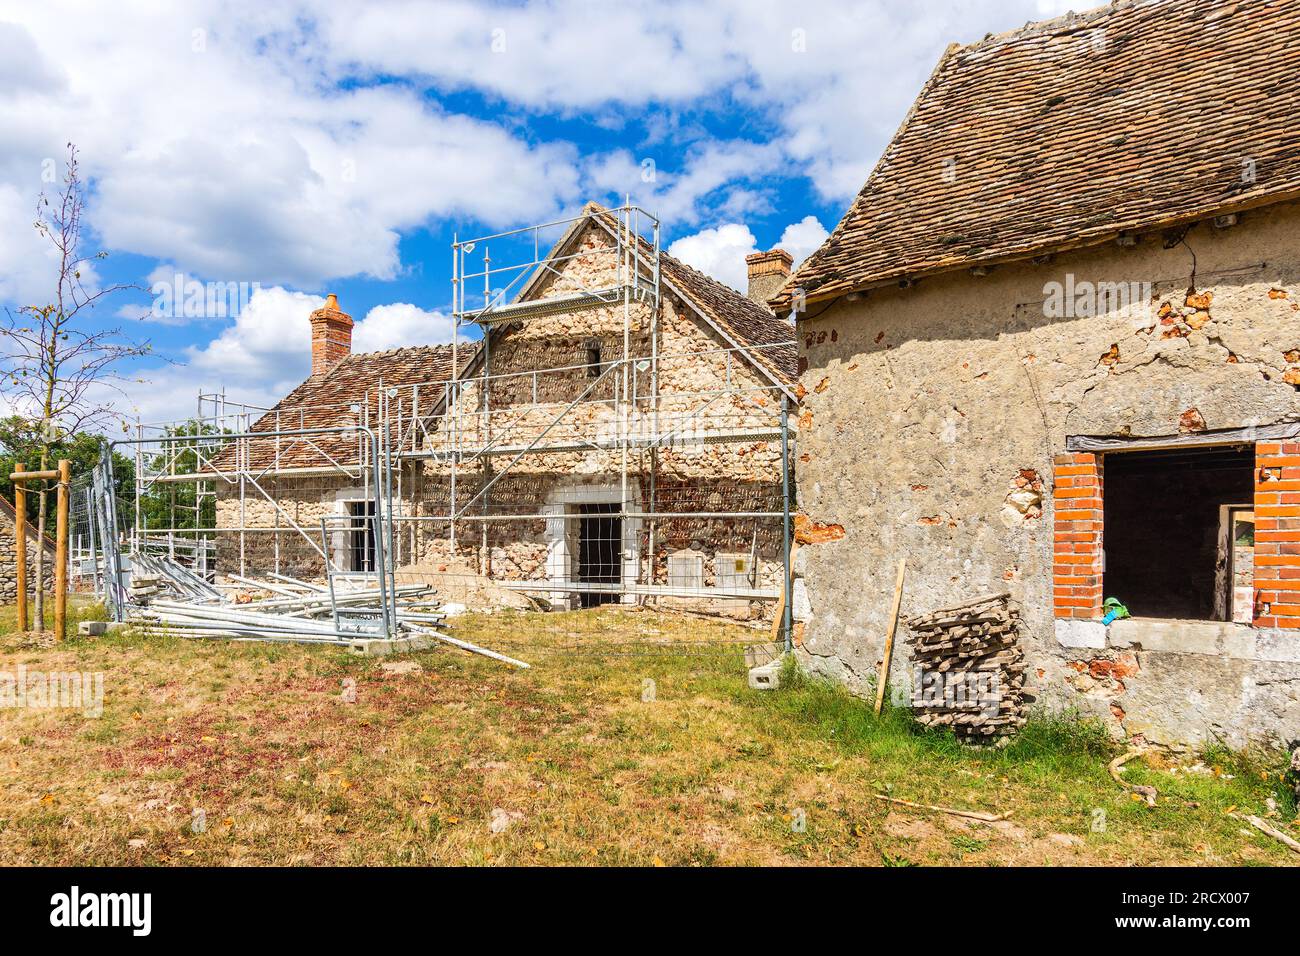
(923, 406)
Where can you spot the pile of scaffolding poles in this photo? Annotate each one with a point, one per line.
(311, 616)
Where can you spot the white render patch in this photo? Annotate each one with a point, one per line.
(1072, 633)
(686, 569)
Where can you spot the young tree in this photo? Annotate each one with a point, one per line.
(58, 369)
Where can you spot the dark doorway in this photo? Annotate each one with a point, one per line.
(362, 535)
(600, 551)
(1166, 539)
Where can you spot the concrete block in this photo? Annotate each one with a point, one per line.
(1217, 638)
(767, 677)
(1276, 644)
(92, 628)
(800, 606)
(381, 647)
(1078, 633)
(1242, 642)
(757, 655)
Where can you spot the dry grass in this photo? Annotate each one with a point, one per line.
(287, 772)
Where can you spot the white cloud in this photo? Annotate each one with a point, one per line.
(833, 79)
(801, 239)
(28, 263)
(720, 252)
(268, 341)
(400, 325)
(230, 154)
(718, 179)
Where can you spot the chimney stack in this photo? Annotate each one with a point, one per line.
(767, 273)
(331, 336)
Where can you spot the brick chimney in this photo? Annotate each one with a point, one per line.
(767, 273)
(331, 336)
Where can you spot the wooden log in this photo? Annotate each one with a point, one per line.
(20, 542)
(61, 552)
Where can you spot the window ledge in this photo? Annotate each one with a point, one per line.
(1173, 636)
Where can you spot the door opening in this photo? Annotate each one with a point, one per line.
(600, 551)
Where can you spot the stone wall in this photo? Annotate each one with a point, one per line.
(9, 563)
(514, 407)
(934, 417)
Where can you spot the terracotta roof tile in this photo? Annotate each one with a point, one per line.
(745, 320)
(325, 401)
(1133, 117)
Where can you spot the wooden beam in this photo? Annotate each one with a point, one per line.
(20, 475)
(61, 552)
(20, 543)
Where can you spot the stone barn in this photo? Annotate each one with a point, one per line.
(1053, 349)
(587, 451)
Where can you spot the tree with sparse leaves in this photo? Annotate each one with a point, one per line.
(58, 370)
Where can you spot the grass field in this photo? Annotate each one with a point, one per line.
(567, 757)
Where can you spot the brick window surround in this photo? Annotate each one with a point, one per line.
(1277, 534)
(1077, 587)
(1076, 537)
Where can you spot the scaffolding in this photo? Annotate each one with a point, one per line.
(629, 472)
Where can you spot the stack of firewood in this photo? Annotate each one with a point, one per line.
(968, 669)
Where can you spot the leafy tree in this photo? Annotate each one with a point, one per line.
(20, 440)
(178, 504)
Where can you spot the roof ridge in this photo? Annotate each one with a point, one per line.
(398, 349)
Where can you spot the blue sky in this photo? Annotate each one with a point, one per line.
(312, 147)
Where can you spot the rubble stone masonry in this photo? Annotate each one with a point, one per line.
(688, 475)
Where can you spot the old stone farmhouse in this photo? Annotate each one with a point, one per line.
(1053, 348)
(575, 477)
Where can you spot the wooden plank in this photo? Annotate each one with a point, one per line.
(61, 552)
(889, 637)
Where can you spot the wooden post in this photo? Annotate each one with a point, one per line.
(889, 638)
(20, 543)
(61, 552)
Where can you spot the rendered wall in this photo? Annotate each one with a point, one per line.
(934, 415)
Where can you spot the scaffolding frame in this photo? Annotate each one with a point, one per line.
(453, 427)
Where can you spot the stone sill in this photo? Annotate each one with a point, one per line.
(1169, 636)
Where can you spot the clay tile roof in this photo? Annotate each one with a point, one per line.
(325, 402)
(1138, 116)
(743, 319)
